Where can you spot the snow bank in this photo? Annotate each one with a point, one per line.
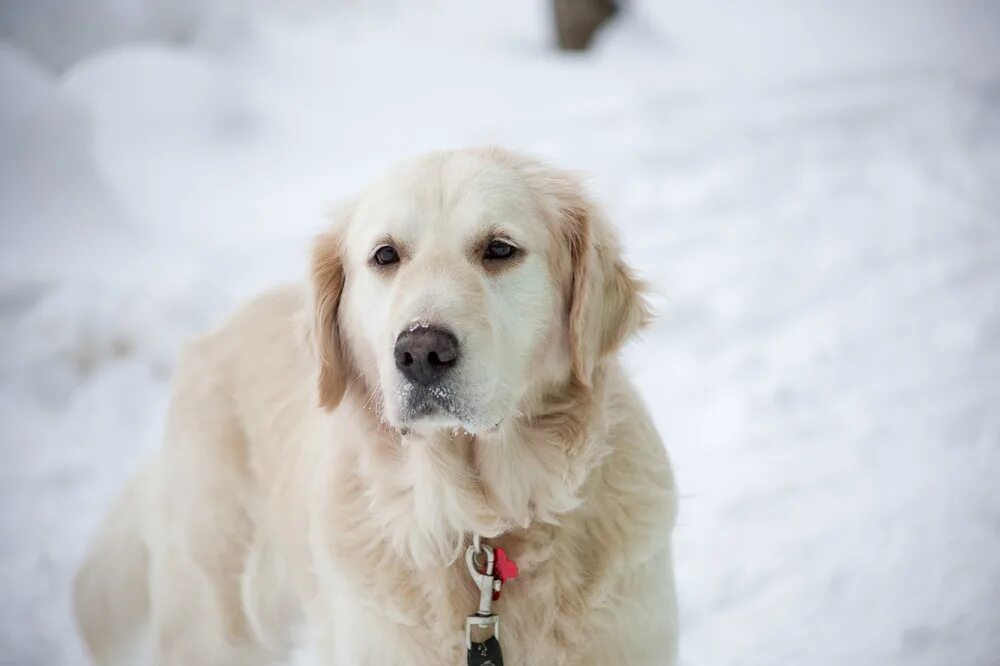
(58, 33)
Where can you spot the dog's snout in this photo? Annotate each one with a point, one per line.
(425, 354)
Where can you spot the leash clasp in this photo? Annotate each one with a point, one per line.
(487, 584)
(483, 578)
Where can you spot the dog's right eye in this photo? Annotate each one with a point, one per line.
(386, 255)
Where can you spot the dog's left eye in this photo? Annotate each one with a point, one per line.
(386, 255)
(499, 250)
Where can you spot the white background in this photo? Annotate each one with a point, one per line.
(812, 188)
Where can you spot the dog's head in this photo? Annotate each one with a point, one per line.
(464, 285)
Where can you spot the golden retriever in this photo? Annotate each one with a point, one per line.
(448, 372)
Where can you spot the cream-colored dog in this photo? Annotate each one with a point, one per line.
(449, 371)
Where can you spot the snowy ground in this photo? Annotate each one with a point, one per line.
(814, 189)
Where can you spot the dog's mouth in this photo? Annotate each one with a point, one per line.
(429, 402)
(439, 406)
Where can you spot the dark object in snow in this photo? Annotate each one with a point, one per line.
(578, 20)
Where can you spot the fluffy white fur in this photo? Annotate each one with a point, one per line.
(296, 500)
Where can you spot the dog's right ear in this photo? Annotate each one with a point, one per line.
(606, 301)
(327, 287)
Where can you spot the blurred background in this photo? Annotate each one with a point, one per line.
(813, 188)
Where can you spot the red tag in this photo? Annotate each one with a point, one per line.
(504, 569)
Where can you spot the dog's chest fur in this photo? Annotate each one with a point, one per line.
(388, 544)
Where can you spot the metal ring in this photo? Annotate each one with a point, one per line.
(477, 568)
(477, 561)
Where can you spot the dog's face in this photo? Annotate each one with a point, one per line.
(456, 276)
(449, 299)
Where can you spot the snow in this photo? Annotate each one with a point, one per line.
(813, 189)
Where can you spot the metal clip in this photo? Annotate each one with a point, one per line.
(484, 580)
(480, 621)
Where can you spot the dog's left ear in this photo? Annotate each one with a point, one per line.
(327, 285)
(606, 300)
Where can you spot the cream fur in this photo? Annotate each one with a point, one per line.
(292, 503)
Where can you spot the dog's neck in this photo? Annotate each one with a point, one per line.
(430, 491)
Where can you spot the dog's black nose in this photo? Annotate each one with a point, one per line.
(425, 353)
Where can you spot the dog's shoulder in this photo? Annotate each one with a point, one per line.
(258, 345)
(638, 465)
(251, 374)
